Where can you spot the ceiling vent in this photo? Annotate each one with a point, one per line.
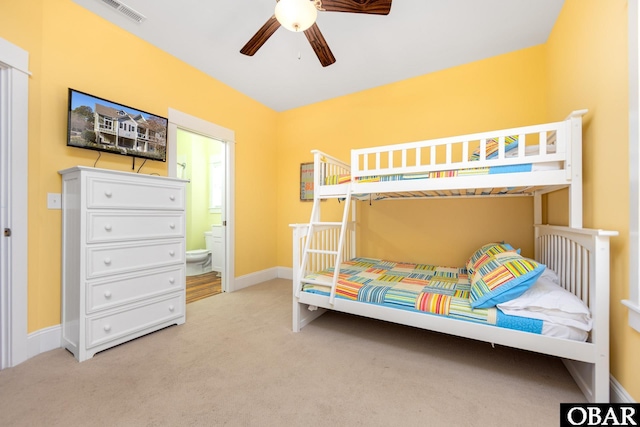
(125, 10)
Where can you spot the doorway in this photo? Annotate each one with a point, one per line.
(204, 153)
(200, 159)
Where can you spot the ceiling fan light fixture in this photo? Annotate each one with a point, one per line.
(296, 15)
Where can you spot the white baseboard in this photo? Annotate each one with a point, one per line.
(285, 273)
(254, 278)
(44, 340)
(618, 393)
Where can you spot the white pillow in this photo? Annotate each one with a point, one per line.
(562, 331)
(550, 275)
(547, 301)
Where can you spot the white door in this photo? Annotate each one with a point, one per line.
(224, 246)
(14, 94)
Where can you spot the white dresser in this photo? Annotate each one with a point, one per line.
(123, 257)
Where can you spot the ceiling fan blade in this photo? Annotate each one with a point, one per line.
(261, 37)
(374, 7)
(319, 45)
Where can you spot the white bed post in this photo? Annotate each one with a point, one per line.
(354, 242)
(574, 148)
(600, 287)
(297, 231)
(317, 181)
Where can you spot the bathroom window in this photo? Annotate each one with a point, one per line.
(216, 177)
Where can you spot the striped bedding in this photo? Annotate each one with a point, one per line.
(511, 151)
(527, 167)
(421, 288)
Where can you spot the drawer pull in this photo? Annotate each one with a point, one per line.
(172, 280)
(108, 193)
(107, 294)
(172, 226)
(171, 308)
(172, 253)
(107, 328)
(172, 197)
(107, 227)
(107, 261)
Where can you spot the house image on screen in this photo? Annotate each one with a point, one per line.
(118, 128)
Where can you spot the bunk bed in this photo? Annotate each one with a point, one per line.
(556, 304)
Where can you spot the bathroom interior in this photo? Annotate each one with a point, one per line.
(201, 161)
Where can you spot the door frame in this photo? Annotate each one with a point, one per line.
(186, 122)
(633, 301)
(14, 119)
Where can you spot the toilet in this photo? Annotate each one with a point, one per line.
(199, 260)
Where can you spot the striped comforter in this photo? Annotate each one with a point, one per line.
(422, 288)
(341, 179)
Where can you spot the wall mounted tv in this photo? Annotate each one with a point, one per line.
(98, 124)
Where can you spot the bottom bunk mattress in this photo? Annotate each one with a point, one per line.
(445, 291)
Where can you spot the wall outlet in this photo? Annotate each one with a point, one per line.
(54, 201)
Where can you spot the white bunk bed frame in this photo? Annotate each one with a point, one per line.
(579, 256)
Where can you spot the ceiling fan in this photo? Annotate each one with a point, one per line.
(300, 15)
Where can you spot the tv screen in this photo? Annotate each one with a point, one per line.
(98, 124)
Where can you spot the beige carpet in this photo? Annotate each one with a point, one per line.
(237, 363)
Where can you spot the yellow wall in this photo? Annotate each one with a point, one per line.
(500, 92)
(66, 44)
(588, 68)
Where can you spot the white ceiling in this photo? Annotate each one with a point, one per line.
(416, 38)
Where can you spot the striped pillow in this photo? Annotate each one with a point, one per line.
(510, 142)
(502, 277)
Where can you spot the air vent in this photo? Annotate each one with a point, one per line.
(125, 10)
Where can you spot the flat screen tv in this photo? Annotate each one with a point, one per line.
(98, 124)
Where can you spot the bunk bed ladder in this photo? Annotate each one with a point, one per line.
(343, 230)
(335, 254)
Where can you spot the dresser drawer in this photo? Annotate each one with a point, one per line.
(121, 226)
(113, 293)
(109, 260)
(101, 329)
(133, 194)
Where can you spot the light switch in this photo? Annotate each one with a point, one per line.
(54, 201)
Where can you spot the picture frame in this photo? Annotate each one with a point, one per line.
(306, 182)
